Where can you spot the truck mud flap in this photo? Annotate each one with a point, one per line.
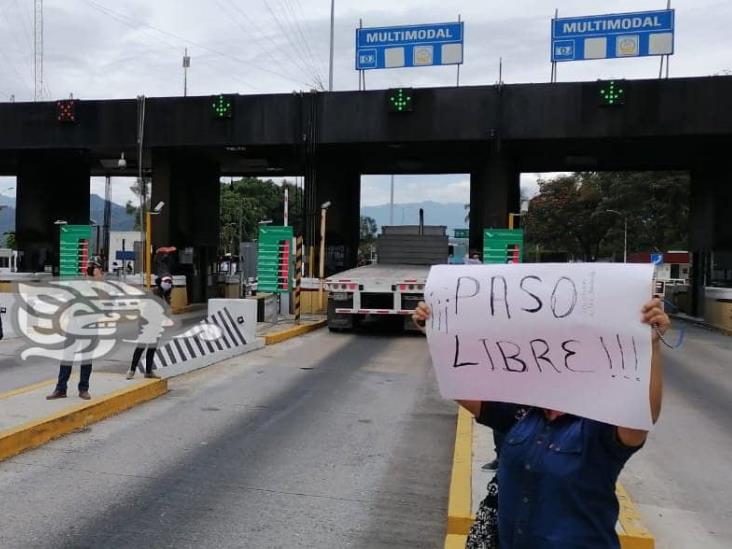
(339, 322)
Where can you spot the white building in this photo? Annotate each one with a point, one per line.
(8, 260)
(122, 250)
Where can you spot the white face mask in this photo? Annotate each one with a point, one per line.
(166, 286)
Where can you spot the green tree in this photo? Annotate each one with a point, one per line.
(368, 237)
(570, 213)
(133, 206)
(368, 228)
(246, 202)
(561, 216)
(10, 241)
(656, 205)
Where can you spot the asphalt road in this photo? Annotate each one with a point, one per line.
(682, 478)
(324, 441)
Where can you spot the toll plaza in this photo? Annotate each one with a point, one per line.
(491, 132)
(257, 428)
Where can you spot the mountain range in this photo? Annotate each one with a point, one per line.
(120, 221)
(435, 213)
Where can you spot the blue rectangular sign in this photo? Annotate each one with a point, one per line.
(124, 256)
(638, 34)
(409, 46)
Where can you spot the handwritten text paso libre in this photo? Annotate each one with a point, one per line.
(530, 296)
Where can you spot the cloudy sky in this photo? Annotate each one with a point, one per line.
(124, 48)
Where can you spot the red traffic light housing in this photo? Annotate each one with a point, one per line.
(66, 111)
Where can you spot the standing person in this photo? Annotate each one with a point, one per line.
(163, 288)
(557, 472)
(93, 271)
(473, 258)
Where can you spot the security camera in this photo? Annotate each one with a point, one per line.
(159, 207)
(122, 163)
(325, 205)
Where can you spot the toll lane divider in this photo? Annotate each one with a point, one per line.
(460, 500)
(630, 529)
(38, 432)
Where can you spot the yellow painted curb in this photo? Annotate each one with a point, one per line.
(632, 533)
(630, 529)
(455, 541)
(35, 433)
(284, 335)
(460, 502)
(27, 389)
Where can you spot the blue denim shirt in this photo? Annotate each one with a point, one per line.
(556, 480)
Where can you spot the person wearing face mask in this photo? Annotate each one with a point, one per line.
(163, 288)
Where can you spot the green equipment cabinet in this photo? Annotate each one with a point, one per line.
(74, 249)
(273, 259)
(503, 246)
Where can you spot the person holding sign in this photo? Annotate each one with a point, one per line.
(557, 471)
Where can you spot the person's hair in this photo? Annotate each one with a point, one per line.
(91, 266)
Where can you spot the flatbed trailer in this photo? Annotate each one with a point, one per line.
(383, 290)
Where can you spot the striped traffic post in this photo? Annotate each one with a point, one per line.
(298, 276)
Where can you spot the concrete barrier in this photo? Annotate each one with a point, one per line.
(200, 346)
(39, 431)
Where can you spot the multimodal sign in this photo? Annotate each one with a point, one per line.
(409, 46)
(637, 34)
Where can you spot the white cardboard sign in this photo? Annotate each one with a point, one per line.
(567, 337)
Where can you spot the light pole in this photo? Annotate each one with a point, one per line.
(59, 223)
(625, 233)
(148, 243)
(391, 201)
(230, 243)
(332, 34)
(93, 223)
(186, 66)
(523, 211)
(323, 211)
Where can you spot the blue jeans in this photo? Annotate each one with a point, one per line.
(64, 373)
